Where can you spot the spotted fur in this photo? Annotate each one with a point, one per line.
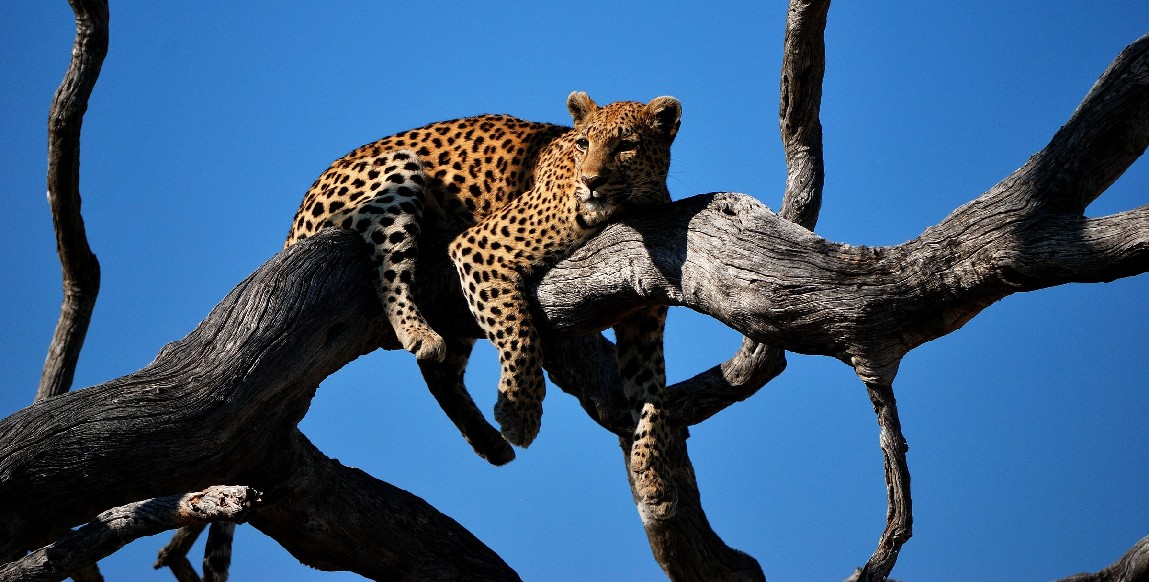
(523, 195)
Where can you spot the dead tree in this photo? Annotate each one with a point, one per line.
(221, 406)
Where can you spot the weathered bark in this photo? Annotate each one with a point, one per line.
(114, 528)
(869, 306)
(81, 270)
(803, 67)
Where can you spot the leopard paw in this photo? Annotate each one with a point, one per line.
(519, 420)
(424, 343)
(656, 495)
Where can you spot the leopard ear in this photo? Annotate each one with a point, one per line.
(665, 114)
(581, 106)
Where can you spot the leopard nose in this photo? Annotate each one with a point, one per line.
(593, 182)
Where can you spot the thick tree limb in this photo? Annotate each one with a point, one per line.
(81, 270)
(1017, 237)
(1132, 567)
(381, 530)
(221, 406)
(114, 528)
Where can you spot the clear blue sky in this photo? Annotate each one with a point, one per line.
(1027, 427)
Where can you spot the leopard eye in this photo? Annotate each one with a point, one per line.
(582, 144)
(626, 145)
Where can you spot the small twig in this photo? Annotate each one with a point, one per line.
(175, 554)
(899, 514)
(114, 528)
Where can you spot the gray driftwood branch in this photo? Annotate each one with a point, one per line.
(114, 528)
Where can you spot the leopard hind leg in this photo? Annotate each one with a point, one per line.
(389, 217)
(445, 380)
(643, 367)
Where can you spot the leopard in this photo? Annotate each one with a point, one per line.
(517, 196)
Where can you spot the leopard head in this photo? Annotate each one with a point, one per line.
(622, 152)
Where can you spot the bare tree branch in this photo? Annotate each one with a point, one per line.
(803, 67)
(1132, 567)
(81, 270)
(114, 528)
(333, 517)
(222, 404)
(899, 512)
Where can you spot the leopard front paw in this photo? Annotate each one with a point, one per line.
(519, 419)
(425, 344)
